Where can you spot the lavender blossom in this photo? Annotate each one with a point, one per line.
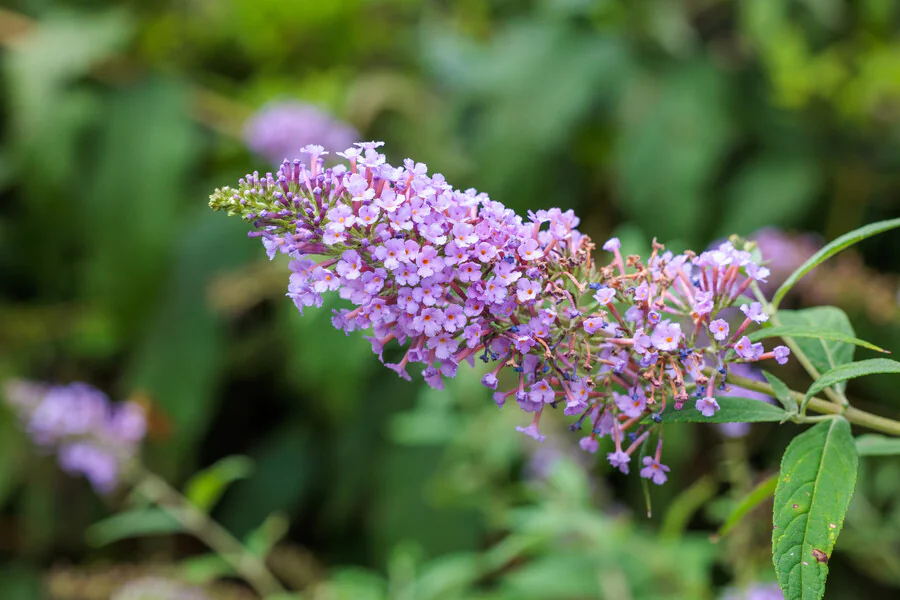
(757, 591)
(90, 435)
(452, 276)
(281, 130)
(158, 588)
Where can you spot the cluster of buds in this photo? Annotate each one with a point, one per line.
(90, 435)
(453, 276)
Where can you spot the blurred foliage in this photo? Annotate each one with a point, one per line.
(682, 120)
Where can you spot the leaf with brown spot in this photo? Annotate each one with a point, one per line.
(818, 474)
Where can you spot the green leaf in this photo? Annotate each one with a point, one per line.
(689, 103)
(823, 354)
(818, 474)
(61, 47)
(762, 492)
(873, 366)
(782, 392)
(774, 188)
(261, 540)
(802, 331)
(131, 524)
(205, 568)
(732, 409)
(872, 444)
(845, 241)
(206, 487)
(685, 505)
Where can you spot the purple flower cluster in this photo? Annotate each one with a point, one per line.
(452, 276)
(280, 130)
(90, 435)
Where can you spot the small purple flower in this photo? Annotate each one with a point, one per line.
(368, 215)
(340, 218)
(654, 470)
(604, 295)
(541, 392)
(757, 273)
(469, 271)
(612, 244)
(707, 406)
(530, 250)
(431, 320)
(485, 252)
(754, 312)
(703, 303)
(350, 265)
(532, 431)
(443, 345)
(489, 381)
(719, 329)
(641, 341)
(781, 354)
(619, 460)
(666, 336)
(527, 290)
(632, 405)
(580, 392)
(589, 444)
(746, 349)
(428, 261)
(642, 292)
(593, 325)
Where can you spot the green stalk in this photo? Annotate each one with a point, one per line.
(248, 565)
(854, 415)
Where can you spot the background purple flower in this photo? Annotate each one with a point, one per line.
(757, 591)
(281, 130)
(90, 435)
(735, 430)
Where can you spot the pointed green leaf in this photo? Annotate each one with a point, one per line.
(873, 366)
(206, 487)
(845, 241)
(782, 392)
(762, 492)
(683, 507)
(261, 540)
(731, 410)
(205, 568)
(817, 332)
(872, 444)
(131, 524)
(823, 354)
(818, 474)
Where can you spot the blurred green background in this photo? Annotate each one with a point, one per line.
(685, 120)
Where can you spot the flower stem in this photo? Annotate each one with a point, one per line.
(799, 354)
(854, 415)
(249, 566)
